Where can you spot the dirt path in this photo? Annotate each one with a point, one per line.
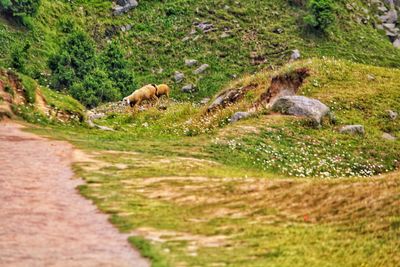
(43, 220)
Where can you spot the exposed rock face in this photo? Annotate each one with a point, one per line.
(283, 85)
(239, 116)
(124, 6)
(230, 96)
(302, 106)
(353, 129)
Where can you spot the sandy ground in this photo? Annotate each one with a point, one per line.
(43, 220)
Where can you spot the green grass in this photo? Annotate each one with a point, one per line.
(155, 49)
(30, 87)
(192, 200)
(193, 190)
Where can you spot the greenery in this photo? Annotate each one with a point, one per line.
(90, 78)
(94, 89)
(75, 59)
(265, 191)
(322, 14)
(19, 57)
(191, 188)
(154, 49)
(21, 9)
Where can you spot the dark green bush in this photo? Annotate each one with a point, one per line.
(95, 89)
(76, 59)
(20, 8)
(89, 77)
(321, 14)
(116, 67)
(19, 57)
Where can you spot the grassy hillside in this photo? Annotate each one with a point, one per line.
(247, 36)
(193, 190)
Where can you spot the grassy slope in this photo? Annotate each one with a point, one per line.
(155, 41)
(194, 205)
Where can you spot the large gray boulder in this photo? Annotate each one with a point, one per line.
(352, 129)
(302, 106)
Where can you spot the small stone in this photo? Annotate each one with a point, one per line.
(389, 137)
(392, 115)
(396, 43)
(179, 76)
(191, 62)
(353, 129)
(189, 88)
(201, 69)
(205, 100)
(371, 77)
(239, 116)
(295, 55)
(224, 35)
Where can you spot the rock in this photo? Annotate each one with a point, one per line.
(178, 76)
(224, 35)
(371, 77)
(95, 116)
(104, 128)
(389, 26)
(205, 101)
(302, 106)
(204, 26)
(389, 137)
(124, 6)
(392, 115)
(396, 43)
(239, 116)
(201, 69)
(190, 62)
(279, 31)
(352, 129)
(230, 96)
(190, 88)
(295, 55)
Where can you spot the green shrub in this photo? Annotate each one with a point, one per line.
(19, 57)
(116, 67)
(321, 14)
(95, 89)
(76, 59)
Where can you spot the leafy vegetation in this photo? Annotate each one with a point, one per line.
(322, 14)
(193, 189)
(163, 35)
(90, 78)
(20, 8)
